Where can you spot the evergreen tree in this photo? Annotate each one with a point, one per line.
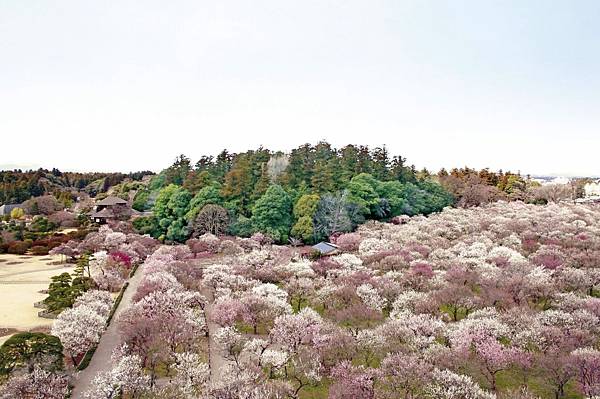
(323, 177)
(272, 213)
(263, 183)
(304, 212)
(238, 185)
(170, 209)
(300, 167)
(348, 163)
(177, 172)
(381, 164)
(207, 195)
(196, 180)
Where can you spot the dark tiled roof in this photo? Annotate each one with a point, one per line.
(108, 201)
(104, 213)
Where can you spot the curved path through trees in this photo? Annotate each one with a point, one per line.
(101, 361)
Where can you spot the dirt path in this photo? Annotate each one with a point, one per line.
(215, 359)
(101, 362)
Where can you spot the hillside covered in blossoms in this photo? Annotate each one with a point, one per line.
(498, 301)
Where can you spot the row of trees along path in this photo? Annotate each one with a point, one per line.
(101, 361)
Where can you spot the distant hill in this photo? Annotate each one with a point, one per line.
(17, 186)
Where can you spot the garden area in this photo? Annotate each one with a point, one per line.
(492, 302)
(495, 302)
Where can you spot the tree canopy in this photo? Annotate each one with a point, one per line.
(312, 192)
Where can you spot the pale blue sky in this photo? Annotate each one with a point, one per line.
(128, 85)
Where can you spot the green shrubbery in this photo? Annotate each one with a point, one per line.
(23, 350)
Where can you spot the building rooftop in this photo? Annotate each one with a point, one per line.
(104, 213)
(111, 200)
(325, 247)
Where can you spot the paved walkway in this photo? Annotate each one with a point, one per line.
(101, 361)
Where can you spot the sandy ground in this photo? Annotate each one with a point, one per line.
(21, 279)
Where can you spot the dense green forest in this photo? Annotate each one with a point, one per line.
(17, 186)
(307, 195)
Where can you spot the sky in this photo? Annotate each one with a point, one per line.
(126, 85)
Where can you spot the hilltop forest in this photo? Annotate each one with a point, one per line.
(309, 194)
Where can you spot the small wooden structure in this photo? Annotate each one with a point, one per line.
(111, 208)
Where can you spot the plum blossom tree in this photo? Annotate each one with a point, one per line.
(403, 376)
(231, 343)
(448, 385)
(192, 374)
(352, 382)
(370, 297)
(78, 329)
(226, 311)
(162, 323)
(586, 363)
(126, 377)
(40, 384)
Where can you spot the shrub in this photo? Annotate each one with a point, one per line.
(314, 255)
(39, 250)
(63, 219)
(18, 247)
(23, 350)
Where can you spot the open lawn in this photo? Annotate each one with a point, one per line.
(21, 280)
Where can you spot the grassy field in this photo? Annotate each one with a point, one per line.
(21, 280)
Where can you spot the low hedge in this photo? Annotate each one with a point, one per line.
(133, 270)
(18, 247)
(39, 250)
(87, 358)
(117, 302)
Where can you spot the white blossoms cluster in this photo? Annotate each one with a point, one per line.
(417, 330)
(80, 327)
(192, 374)
(99, 301)
(371, 246)
(274, 358)
(370, 297)
(509, 254)
(449, 385)
(271, 291)
(298, 268)
(127, 375)
(348, 261)
(220, 276)
(462, 333)
(370, 339)
(256, 257)
(408, 300)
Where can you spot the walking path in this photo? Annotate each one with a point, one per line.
(101, 361)
(215, 358)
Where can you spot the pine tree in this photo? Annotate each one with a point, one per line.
(323, 177)
(381, 163)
